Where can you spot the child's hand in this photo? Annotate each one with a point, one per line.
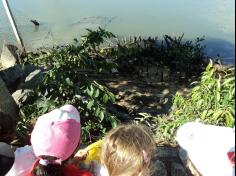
(81, 154)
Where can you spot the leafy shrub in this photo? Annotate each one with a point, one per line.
(211, 101)
(182, 55)
(174, 52)
(66, 81)
(68, 71)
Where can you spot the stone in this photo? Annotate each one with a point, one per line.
(22, 96)
(32, 80)
(12, 76)
(166, 92)
(9, 56)
(159, 168)
(178, 170)
(7, 103)
(29, 68)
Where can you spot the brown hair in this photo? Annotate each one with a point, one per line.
(49, 170)
(127, 150)
(7, 127)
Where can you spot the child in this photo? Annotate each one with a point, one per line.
(89, 157)
(54, 138)
(127, 151)
(210, 148)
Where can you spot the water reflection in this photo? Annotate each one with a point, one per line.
(94, 20)
(219, 47)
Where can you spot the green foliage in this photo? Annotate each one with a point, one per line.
(174, 52)
(30, 112)
(70, 69)
(211, 101)
(182, 55)
(67, 81)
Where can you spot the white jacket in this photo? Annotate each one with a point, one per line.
(209, 148)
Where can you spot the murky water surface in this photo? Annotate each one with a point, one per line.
(63, 20)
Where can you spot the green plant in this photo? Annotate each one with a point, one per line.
(211, 101)
(71, 71)
(30, 112)
(67, 81)
(182, 55)
(177, 54)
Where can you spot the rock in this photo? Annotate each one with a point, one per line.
(166, 92)
(7, 103)
(29, 68)
(12, 76)
(178, 170)
(26, 89)
(22, 96)
(9, 56)
(32, 80)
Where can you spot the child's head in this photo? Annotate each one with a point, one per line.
(54, 138)
(127, 150)
(7, 127)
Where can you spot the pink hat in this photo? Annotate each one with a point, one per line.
(57, 133)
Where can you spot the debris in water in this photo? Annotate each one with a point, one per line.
(94, 20)
(35, 22)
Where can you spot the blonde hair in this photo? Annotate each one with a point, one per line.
(127, 150)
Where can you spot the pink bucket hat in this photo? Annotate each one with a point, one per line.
(57, 133)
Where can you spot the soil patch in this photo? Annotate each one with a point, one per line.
(135, 95)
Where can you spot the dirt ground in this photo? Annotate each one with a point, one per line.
(143, 95)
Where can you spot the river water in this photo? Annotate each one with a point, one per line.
(63, 20)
